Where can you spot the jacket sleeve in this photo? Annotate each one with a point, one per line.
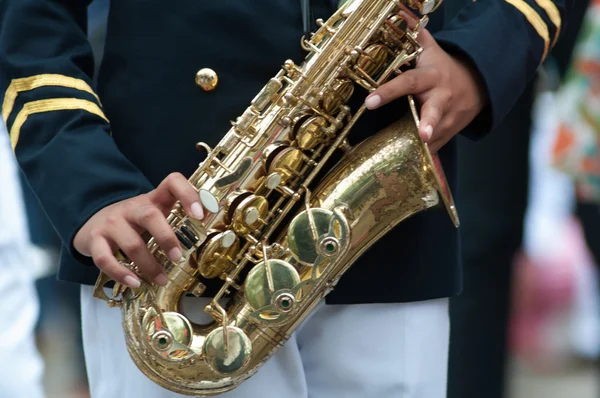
(505, 41)
(58, 130)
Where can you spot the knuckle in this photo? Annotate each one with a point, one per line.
(191, 195)
(130, 204)
(112, 220)
(148, 213)
(450, 121)
(445, 74)
(412, 82)
(448, 96)
(436, 74)
(167, 238)
(431, 112)
(137, 200)
(432, 108)
(102, 260)
(151, 269)
(134, 247)
(437, 114)
(140, 202)
(96, 233)
(174, 177)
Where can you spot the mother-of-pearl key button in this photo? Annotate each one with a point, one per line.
(227, 239)
(273, 180)
(251, 216)
(209, 201)
(427, 6)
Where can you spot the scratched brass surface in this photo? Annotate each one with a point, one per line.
(263, 166)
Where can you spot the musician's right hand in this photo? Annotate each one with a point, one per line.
(120, 225)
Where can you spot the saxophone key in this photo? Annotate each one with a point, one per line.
(235, 175)
(227, 239)
(232, 282)
(273, 181)
(189, 234)
(267, 94)
(428, 6)
(169, 334)
(248, 214)
(393, 31)
(261, 291)
(209, 200)
(337, 94)
(216, 256)
(227, 354)
(244, 122)
(284, 160)
(309, 131)
(288, 192)
(198, 289)
(184, 240)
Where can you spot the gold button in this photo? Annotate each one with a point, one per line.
(207, 79)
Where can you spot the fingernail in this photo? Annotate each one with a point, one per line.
(197, 211)
(161, 280)
(132, 282)
(372, 101)
(175, 254)
(428, 131)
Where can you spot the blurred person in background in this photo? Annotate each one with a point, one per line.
(21, 366)
(493, 194)
(492, 187)
(576, 149)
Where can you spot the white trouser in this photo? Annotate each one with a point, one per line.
(21, 365)
(341, 351)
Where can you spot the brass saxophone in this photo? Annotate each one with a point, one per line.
(275, 268)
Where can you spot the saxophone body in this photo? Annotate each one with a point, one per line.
(277, 238)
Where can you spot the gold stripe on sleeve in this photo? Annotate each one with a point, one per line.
(553, 14)
(536, 21)
(49, 105)
(30, 83)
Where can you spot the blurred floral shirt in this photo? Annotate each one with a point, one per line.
(576, 148)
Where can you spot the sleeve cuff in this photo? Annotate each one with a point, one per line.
(505, 65)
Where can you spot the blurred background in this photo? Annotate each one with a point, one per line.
(528, 322)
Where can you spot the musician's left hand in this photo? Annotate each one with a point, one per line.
(449, 91)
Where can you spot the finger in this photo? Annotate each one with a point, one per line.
(443, 133)
(413, 81)
(132, 244)
(411, 19)
(104, 259)
(426, 39)
(177, 187)
(151, 219)
(432, 111)
(437, 144)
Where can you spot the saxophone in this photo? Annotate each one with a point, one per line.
(278, 245)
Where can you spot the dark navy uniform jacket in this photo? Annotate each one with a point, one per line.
(83, 146)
